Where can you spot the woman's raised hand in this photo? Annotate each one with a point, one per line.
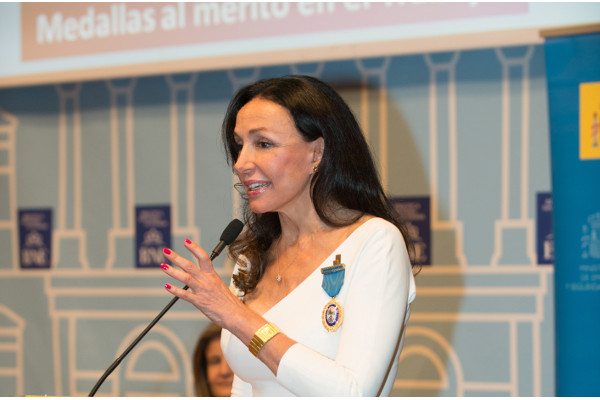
(208, 292)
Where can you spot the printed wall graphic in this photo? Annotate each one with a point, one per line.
(12, 327)
(136, 164)
(515, 225)
(122, 128)
(443, 160)
(8, 186)
(415, 211)
(69, 238)
(35, 238)
(589, 117)
(153, 234)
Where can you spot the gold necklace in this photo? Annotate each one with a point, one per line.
(279, 271)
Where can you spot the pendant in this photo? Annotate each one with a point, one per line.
(333, 315)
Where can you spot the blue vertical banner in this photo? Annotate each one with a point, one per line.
(35, 238)
(573, 74)
(415, 213)
(153, 234)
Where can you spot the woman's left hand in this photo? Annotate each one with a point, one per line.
(208, 292)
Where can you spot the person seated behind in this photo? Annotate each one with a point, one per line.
(212, 375)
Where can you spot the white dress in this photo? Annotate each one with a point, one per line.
(361, 357)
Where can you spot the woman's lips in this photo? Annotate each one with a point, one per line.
(256, 188)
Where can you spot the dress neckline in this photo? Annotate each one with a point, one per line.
(318, 269)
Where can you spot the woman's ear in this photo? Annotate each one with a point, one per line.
(319, 148)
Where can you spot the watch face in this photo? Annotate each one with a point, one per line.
(267, 332)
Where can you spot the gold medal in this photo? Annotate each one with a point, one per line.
(333, 279)
(333, 315)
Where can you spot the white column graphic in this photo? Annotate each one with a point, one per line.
(377, 74)
(318, 70)
(183, 199)
(442, 221)
(8, 213)
(121, 235)
(69, 241)
(514, 207)
(12, 327)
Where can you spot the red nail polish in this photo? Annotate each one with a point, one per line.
(164, 266)
(167, 251)
(188, 241)
(168, 286)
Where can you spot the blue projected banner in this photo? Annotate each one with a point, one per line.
(68, 41)
(153, 234)
(573, 73)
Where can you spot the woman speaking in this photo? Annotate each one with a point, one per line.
(321, 291)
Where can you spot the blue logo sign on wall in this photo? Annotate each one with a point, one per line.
(35, 238)
(545, 234)
(416, 215)
(153, 234)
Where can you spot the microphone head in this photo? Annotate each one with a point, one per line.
(232, 231)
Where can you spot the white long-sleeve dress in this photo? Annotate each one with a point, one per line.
(361, 357)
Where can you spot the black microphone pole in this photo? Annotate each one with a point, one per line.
(230, 233)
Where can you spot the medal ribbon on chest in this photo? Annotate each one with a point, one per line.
(333, 279)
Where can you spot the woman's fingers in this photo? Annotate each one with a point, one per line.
(179, 292)
(179, 275)
(181, 262)
(198, 278)
(208, 292)
(204, 262)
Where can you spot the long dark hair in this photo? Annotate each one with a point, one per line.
(202, 387)
(346, 178)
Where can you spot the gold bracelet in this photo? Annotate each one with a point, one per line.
(261, 337)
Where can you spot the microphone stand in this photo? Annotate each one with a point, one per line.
(229, 235)
(132, 345)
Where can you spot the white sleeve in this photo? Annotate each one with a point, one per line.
(375, 312)
(239, 388)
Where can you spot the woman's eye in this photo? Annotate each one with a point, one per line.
(213, 360)
(264, 144)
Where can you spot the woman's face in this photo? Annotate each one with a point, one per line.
(274, 164)
(218, 373)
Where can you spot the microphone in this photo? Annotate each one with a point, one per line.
(230, 233)
(227, 237)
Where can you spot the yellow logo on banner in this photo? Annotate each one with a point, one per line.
(589, 121)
